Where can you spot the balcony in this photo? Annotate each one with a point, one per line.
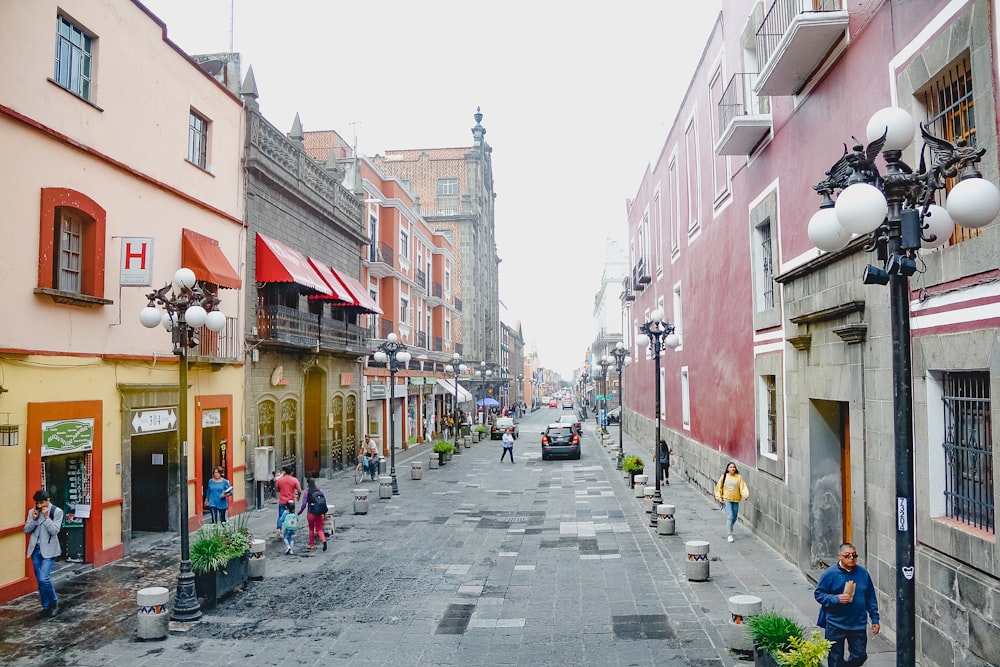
(627, 294)
(218, 346)
(744, 116)
(387, 327)
(422, 339)
(281, 324)
(380, 264)
(337, 335)
(793, 40)
(422, 279)
(458, 304)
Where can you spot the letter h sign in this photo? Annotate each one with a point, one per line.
(137, 261)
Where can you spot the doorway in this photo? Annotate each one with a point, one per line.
(830, 476)
(312, 426)
(213, 454)
(150, 512)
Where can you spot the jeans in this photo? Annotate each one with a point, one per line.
(857, 646)
(218, 514)
(732, 510)
(43, 573)
(506, 451)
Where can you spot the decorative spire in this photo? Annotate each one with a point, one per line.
(248, 91)
(478, 131)
(296, 132)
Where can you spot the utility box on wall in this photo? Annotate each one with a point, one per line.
(263, 463)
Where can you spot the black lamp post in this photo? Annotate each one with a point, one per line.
(657, 333)
(622, 360)
(483, 374)
(457, 367)
(520, 390)
(393, 353)
(604, 362)
(896, 211)
(186, 307)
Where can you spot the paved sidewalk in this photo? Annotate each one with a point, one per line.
(479, 563)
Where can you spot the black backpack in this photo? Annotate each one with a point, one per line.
(317, 503)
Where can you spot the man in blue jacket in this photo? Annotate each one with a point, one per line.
(847, 596)
(42, 527)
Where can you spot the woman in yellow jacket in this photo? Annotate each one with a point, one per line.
(730, 491)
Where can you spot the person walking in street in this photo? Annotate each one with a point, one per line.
(508, 445)
(847, 599)
(289, 524)
(314, 504)
(731, 490)
(664, 453)
(289, 491)
(42, 526)
(217, 494)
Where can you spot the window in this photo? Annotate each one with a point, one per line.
(951, 115)
(404, 245)
(447, 329)
(74, 58)
(373, 234)
(265, 424)
(769, 416)
(447, 281)
(693, 176)
(673, 208)
(685, 399)
(289, 436)
(968, 449)
(764, 265)
(678, 314)
(71, 245)
(657, 234)
(404, 308)
(197, 140)
(447, 186)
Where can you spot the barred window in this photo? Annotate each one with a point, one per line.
(289, 419)
(265, 424)
(70, 250)
(968, 449)
(770, 444)
(765, 266)
(951, 115)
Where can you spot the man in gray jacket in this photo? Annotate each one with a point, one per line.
(42, 527)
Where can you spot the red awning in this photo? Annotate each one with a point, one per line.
(277, 263)
(362, 298)
(340, 292)
(203, 255)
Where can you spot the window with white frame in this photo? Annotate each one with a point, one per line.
(657, 233)
(404, 244)
(447, 186)
(447, 329)
(678, 314)
(646, 251)
(404, 310)
(197, 139)
(447, 281)
(768, 406)
(673, 207)
(764, 265)
(685, 399)
(720, 163)
(373, 233)
(693, 175)
(74, 58)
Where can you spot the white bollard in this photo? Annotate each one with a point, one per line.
(416, 471)
(361, 501)
(640, 485)
(647, 500)
(665, 519)
(433, 462)
(698, 565)
(153, 615)
(257, 560)
(741, 606)
(385, 487)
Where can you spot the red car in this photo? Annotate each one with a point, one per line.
(553, 403)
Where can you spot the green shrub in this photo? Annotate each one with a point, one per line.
(216, 544)
(772, 632)
(442, 447)
(633, 463)
(805, 652)
(481, 428)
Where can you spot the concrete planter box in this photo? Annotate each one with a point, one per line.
(762, 658)
(215, 585)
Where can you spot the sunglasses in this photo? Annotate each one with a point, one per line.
(849, 555)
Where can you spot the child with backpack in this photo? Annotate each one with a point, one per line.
(289, 524)
(314, 503)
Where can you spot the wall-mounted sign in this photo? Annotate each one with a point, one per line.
(210, 418)
(377, 390)
(346, 379)
(278, 378)
(66, 436)
(137, 261)
(153, 421)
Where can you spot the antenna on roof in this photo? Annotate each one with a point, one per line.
(232, 23)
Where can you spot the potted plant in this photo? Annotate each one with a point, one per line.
(771, 633)
(805, 652)
(632, 465)
(443, 450)
(480, 431)
(219, 554)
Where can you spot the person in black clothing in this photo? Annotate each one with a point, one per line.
(664, 454)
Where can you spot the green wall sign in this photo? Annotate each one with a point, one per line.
(67, 436)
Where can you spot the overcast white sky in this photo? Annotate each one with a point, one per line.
(577, 99)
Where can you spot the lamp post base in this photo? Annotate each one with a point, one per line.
(657, 498)
(395, 486)
(618, 462)
(186, 607)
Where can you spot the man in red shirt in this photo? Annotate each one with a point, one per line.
(289, 489)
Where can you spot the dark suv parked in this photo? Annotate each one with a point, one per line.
(560, 440)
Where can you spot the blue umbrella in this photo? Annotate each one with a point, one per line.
(488, 402)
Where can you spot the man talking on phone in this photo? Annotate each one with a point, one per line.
(42, 527)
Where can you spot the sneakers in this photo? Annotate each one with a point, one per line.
(729, 538)
(288, 552)
(324, 545)
(52, 611)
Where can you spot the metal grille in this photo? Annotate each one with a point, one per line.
(951, 115)
(70, 251)
(766, 266)
(771, 389)
(968, 449)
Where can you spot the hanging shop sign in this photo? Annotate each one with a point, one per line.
(66, 436)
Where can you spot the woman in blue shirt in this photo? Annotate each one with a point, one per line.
(217, 495)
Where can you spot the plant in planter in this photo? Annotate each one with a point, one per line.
(443, 450)
(219, 558)
(481, 430)
(771, 633)
(806, 652)
(632, 465)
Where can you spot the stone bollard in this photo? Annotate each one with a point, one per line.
(741, 606)
(639, 482)
(416, 471)
(665, 519)
(433, 462)
(153, 615)
(385, 487)
(361, 501)
(647, 500)
(257, 561)
(697, 562)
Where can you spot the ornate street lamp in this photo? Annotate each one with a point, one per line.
(393, 353)
(622, 360)
(657, 333)
(186, 307)
(483, 374)
(456, 367)
(520, 388)
(895, 210)
(604, 362)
